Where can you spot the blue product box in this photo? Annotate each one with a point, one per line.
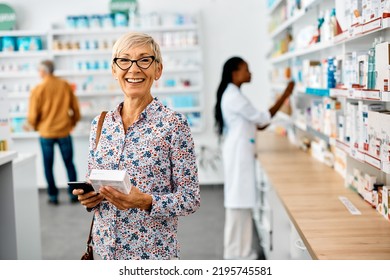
(8, 44)
(82, 22)
(23, 43)
(120, 20)
(108, 21)
(35, 44)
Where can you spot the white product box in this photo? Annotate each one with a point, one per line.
(382, 63)
(117, 179)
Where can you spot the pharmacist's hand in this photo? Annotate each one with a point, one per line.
(90, 199)
(290, 87)
(135, 199)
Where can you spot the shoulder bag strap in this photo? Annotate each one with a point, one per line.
(98, 133)
(99, 127)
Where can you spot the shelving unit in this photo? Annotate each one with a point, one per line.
(314, 104)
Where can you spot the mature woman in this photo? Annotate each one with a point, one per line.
(237, 120)
(155, 146)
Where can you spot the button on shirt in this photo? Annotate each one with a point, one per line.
(158, 153)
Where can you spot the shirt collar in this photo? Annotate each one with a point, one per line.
(152, 107)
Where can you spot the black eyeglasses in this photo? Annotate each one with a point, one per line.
(125, 63)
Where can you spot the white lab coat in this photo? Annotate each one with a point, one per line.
(238, 152)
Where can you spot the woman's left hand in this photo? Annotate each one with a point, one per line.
(135, 199)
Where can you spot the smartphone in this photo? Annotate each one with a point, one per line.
(86, 187)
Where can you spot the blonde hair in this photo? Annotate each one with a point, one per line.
(136, 39)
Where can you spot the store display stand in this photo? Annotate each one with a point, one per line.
(7, 208)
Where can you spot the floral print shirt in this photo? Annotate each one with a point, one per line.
(158, 153)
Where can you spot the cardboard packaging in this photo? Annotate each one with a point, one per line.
(117, 179)
(382, 64)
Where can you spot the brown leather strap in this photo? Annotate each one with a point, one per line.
(99, 127)
(90, 234)
(98, 133)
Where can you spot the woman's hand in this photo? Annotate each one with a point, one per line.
(90, 199)
(135, 199)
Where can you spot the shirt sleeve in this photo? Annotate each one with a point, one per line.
(33, 113)
(75, 107)
(185, 197)
(242, 106)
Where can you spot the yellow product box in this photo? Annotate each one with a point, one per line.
(118, 179)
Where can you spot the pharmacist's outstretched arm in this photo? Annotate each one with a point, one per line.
(135, 199)
(287, 92)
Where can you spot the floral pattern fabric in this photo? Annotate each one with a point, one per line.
(158, 153)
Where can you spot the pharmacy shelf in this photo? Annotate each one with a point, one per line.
(298, 15)
(366, 29)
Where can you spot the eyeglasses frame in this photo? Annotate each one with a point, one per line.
(136, 62)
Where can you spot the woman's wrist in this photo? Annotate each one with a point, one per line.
(145, 202)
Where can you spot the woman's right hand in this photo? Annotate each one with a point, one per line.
(90, 199)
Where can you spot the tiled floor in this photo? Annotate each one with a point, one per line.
(65, 228)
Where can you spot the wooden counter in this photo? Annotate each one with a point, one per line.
(310, 192)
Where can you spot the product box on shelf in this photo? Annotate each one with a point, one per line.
(376, 122)
(118, 179)
(382, 66)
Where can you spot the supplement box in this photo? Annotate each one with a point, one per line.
(117, 179)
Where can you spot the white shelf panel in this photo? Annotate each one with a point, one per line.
(19, 33)
(18, 115)
(7, 156)
(81, 52)
(19, 54)
(82, 73)
(18, 95)
(175, 90)
(311, 49)
(19, 75)
(122, 30)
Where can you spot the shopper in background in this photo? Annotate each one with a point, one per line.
(54, 112)
(236, 122)
(154, 144)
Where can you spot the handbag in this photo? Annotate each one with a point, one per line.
(88, 254)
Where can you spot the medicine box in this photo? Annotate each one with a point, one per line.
(117, 179)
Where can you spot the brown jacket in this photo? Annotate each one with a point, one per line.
(53, 108)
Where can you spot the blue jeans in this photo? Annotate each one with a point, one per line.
(66, 148)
